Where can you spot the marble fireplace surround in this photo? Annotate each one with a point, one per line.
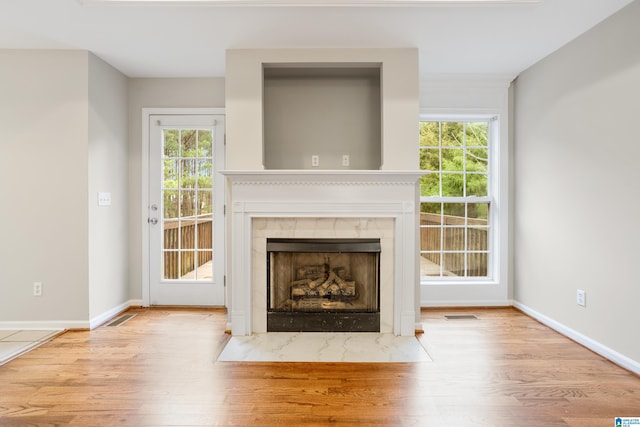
(323, 204)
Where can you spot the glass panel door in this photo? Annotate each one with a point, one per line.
(185, 155)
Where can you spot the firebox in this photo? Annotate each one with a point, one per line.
(323, 285)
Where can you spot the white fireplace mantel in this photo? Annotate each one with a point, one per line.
(297, 203)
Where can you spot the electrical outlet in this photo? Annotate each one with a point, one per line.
(345, 160)
(581, 298)
(315, 160)
(37, 289)
(104, 199)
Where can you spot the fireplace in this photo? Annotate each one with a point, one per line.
(323, 285)
(269, 205)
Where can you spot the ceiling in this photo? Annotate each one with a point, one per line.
(173, 40)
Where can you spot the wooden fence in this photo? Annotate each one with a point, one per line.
(453, 240)
(182, 235)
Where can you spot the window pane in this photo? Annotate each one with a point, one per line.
(187, 173)
(455, 213)
(205, 143)
(170, 265)
(205, 269)
(205, 205)
(477, 160)
(187, 260)
(477, 134)
(170, 173)
(453, 264)
(452, 134)
(205, 233)
(453, 185)
(430, 185)
(187, 203)
(478, 239)
(205, 172)
(171, 142)
(188, 234)
(430, 159)
(188, 142)
(171, 234)
(477, 264)
(478, 213)
(453, 238)
(452, 159)
(430, 235)
(477, 185)
(430, 265)
(429, 134)
(170, 203)
(435, 208)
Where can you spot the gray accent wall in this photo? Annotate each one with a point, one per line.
(63, 121)
(157, 93)
(576, 171)
(107, 156)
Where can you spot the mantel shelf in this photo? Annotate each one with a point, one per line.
(322, 176)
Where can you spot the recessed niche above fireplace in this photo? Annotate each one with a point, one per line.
(323, 285)
(327, 111)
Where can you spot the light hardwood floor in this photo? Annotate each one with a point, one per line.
(160, 369)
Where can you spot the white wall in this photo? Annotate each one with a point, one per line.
(576, 173)
(475, 95)
(156, 93)
(43, 186)
(107, 157)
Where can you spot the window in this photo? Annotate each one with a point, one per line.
(455, 199)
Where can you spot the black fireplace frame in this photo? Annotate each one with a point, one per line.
(325, 320)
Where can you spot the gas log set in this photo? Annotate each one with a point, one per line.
(323, 285)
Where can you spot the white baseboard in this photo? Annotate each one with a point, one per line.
(469, 303)
(56, 325)
(44, 325)
(109, 314)
(604, 351)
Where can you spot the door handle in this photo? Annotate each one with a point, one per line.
(153, 221)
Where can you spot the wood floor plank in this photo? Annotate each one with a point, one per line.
(160, 369)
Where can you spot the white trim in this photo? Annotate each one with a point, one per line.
(109, 314)
(144, 199)
(307, 3)
(45, 325)
(466, 303)
(70, 324)
(284, 194)
(595, 346)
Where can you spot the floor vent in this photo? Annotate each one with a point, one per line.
(120, 320)
(461, 317)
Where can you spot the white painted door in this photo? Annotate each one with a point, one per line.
(186, 198)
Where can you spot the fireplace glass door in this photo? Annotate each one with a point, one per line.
(328, 285)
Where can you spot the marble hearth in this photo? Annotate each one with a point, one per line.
(323, 204)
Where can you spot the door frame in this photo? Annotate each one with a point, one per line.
(144, 200)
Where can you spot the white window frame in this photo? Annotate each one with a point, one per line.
(493, 198)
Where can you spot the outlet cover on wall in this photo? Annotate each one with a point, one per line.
(581, 298)
(104, 199)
